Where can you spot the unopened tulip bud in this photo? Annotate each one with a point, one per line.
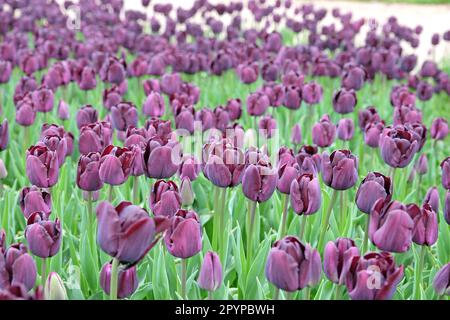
(186, 192)
(54, 288)
(3, 171)
(441, 282)
(210, 276)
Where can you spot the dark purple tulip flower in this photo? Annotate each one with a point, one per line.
(210, 276)
(127, 232)
(337, 258)
(432, 198)
(424, 91)
(42, 166)
(406, 114)
(112, 71)
(292, 97)
(309, 160)
(88, 172)
(170, 83)
(345, 129)
(165, 200)
(366, 116)
(373, 187)
(363, 269)
(259, 181)
(425, 232)
(267, 125)
(127, 282)
(287, 172)
(87, 79)
(439, 129)
(248, 72)
(353, 78)
(161, 159)
(16, 265)
(445, 167)
(312, 93)
(5, 71)
(398, 146)
(43, 99)
(63, 110)
(184, 237)
(305, 194)
(151, 85)
(111, 97)
(32, 199)
(441, 282)
(25, 112)
(4, 135)
(94, 137)
(123, 116)
(344, 101)
(257, 103)
(189, 167)
(223, 163)
(115, 165)
(234, 108)
(154, 105)
(340, 169)
(292, 265)
(86, 115)
(43, 236)
(54, 142)
(324, 132)
(296, 134)
(55, 133)
(391, 226)
(421, 166)
(372, 133)
(447, 207)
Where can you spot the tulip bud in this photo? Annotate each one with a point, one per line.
(86, 115)
(4, 135)
(374, 186)
(309, 160)
(43, 236)
(210, 276)
(292, 97)
(88, 176)
(54, 288)
(31, 200)
(292, 265)
(390, 226)
(344, 101)
(337, 259)
(170, 83)
(421, 166)
(189, 168)
(441, 282)
(439, 129)
(3, 171)
(324, 132)
(398, 146)
(161, 158)
(432, 198)
(63, 110)
(445, 167)
(257, 103)
(42, 166)
(165, 200)
(425, 230)
(154, 105)
(123, 116)
(267, 126)
(234, 108)
(16, 265)
(43, 99)
(305, 194)
(25, 112)
(296, 134)
(259, 181)
(184, 237)
(312, 93)
(345, 129)
(447, 207)
(186, 192)
(115, 165)
(127, 281)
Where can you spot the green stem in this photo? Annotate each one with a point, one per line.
(276, 294)
(135, 190)
(342, 209)
(110, 193)
(302, 226)
(418, 273)
(210, 295)
(114, 279)
(43, 271)
(216, 206)
(337, 292)
(90, 218)
(251, 227)
(327, 219)
(223, 233)
(284, 217)
(183, 278)
(307, 293)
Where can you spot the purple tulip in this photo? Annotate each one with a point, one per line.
(170, 83)
(55, 131)
(42, 166)
(324, 132)
(248, 72)
(344, 101)
(111, 97)
(88, 174)
(296, 134)
(337, 258)
(189, 168)
(25, 112)
(309, 160)
(86, 115)
(353, 78)
(397, 146)
(406, 114)
(86, 79)
(123, 116)
(257, 103)
(345, 129)
(372, 133)
(234, 108)
(445, 167)
(292, 97)
(287, 172)
(447, 207)
(425, 232)
(340, 169)
(17, 267)
(151, 85)
(63, 110)
(95, 137)
(32, 199)
(373, 268)
(312, 93)
(366, 116)
(439, 129)
(305, 194)
(184, 237)
(432, 198)
(292, 265)
(390, 226)
(154, 105)
(127, 282)
(5, 71)
(441, 282)
(115, 165)
(43, 99)
(112, 71)
(373, 187)
(161, 158)
(259, 181)
(127, 232)
(267, 125)
(4, 135)
(43, 236)
(165, 200)
(210, 276)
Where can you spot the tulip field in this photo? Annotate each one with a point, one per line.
(258, 150)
